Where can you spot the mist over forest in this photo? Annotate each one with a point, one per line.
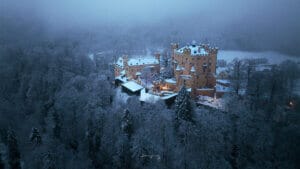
(61, 106)
(270, 25)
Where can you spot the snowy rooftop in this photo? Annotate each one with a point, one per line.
(147, 97)
(169, 96)
(142, 60)
(121, 78)
(132, 86)
(221, 88)
(221, 69)
(195, 50)
(186, 77)
(211, 102)
(223, 81)
(138, 60)
(171, 81)
(123, 72)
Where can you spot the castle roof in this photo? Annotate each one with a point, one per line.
(171, 81)
(132, 86)
(142, 60)
(138, 60)
(194, 50)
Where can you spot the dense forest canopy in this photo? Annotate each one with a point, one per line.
(59, 108)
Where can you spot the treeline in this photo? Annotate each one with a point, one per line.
(58, 110)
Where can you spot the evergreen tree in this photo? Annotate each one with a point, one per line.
(90, 139)
(93, 143)
(183, 107)
(127, 124)
(57, 125)
(49, 161)
(35, 136)
(124, 157)
(13, 151)
(1, 162)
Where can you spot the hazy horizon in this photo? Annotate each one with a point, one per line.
(238, 25)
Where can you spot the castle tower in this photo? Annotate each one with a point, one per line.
(174, 46)
(125, 61)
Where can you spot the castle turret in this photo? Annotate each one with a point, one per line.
(125, 61)
(174, 46)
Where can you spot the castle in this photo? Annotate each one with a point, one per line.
(193, 66)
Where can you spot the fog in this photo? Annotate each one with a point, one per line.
(256, 25)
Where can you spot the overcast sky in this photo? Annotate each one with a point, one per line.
(126, 11)
(276, 20)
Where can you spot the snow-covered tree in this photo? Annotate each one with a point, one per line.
(237, 75)
(1, 162)
(94, 136)
(123, 159)
(14, 157)
(183, 107)
(49, 161)
(127, 125)
(35, 136)
(56, 130)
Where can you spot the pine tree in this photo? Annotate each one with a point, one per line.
(1, 162)
(49, 161)
(93, 146)
(127, 123)
(90, 139)
(57, 125)
(124, 157)
(13, 151)
(35, 136)
(183, 106)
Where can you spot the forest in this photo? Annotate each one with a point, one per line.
(59, 108)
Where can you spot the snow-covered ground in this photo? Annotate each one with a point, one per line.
(273, 57)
